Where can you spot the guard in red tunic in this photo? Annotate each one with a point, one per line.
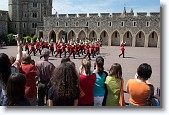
(56, 45)
(77, 49)
(64, 48)
(27, 46)
(87, 49)
(46, 45)
(41, 44)
(92, 49)
(38, 46)
(32, 48)
(122, 49)
(72, 47)
(97, 48)
(51, 47)
(81, 47)
(59, 50)
(68, 47)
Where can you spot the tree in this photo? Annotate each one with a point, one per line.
(35, 37)
(27, 38)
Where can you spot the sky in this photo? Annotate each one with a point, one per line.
(98, 6)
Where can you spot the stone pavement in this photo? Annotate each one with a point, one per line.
(134, 57)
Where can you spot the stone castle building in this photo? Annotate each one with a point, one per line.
(35, 17)
(24, 16)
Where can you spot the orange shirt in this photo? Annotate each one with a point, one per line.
(138, 91)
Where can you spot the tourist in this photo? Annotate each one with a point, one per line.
(87, 82)
(99, 87)
(114, 83)
(138, 87)
(65, 89)
(45, 69)
(30, 72)
(16, 90)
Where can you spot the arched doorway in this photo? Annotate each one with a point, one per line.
(82, 35)
(40, 34)
(128, 38)
(152, 39)
(104, 38)
(52, 36)
(71, 35)
(115, 39)
(92, 36)
(140, 39)
(62, 36)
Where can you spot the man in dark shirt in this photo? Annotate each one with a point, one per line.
(46, 69)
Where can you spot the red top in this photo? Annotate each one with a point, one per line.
(87, 48)
(29, 72)
(41, 43)
(122, 49)
(58, 48)
(51, 46)
(26, 46)
(37, 45)
(63, 46)
(122, 44)
(77, 47)
(32, 45)
(46, 45)
(71, 48)
(87, 84)
(92, 48)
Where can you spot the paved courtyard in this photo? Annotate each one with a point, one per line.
(134, 57)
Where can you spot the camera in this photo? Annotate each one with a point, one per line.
(14, 35)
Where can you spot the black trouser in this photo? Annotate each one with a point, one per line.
(123, 53)
(42, 93)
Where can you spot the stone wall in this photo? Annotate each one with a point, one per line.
(24, 16)
(111, 28)
(3, 22)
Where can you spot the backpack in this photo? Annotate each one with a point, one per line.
(151, 99)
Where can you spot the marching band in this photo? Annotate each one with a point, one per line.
(83, 47)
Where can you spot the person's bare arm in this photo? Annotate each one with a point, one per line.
(75, 102)
(19, 48)
(50, 102)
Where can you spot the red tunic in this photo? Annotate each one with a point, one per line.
(26, 46)
(71, 48)
(41, 43)
(51, 46)
(77, 47)
(37, 45)
(122, 44)
(32, 46)
(122, 49)
(92, 48)
(46, 45)
(58, 48)
(63, 47)
(87, 49)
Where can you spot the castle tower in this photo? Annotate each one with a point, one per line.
(26, 15)
(14, 11)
